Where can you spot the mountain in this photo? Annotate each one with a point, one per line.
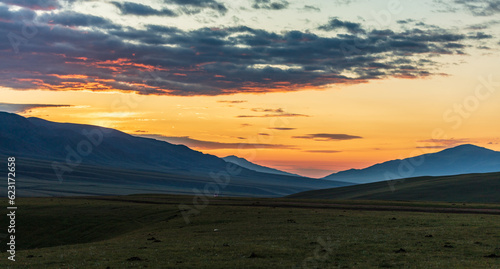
(255, 167)
(464, 159)
(74, 143)
(470, 188)
(73, 159)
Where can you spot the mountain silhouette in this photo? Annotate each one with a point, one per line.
(463, 159)
(74, 159)
(255, 167)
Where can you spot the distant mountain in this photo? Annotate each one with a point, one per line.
(40, 139)
(74, 159)
(470, 188)
(464, 159)
(255, 167)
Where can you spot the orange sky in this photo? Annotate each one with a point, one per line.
(274, 85)
(395, 118)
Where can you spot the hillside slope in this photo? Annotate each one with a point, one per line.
(477, 188)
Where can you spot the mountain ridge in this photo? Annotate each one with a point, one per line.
(462, 159)
(255, 167)
(50, 152)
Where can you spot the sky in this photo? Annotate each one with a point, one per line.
(309, 87)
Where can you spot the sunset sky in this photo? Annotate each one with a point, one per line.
(309, 87)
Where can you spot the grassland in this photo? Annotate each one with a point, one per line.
(469, 188)
(149, 231)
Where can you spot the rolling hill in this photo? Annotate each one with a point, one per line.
(73, 159)
(464, 159)
(477, 188)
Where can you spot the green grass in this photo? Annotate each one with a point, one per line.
(470, 188)
(251, 233)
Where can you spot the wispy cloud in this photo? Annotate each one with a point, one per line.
(441, 143)
(130, 8)
(311, 8)
(323, 151)
(211, 145)
(283, 129)
(232, 102)
(270, 4)
(271, 113)
(328, 137)
(24, 108)
(475, 7)
(285, 115)
(196, 6)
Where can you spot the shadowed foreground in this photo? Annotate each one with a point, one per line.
(149, 231)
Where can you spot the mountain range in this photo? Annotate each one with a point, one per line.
(74, 159)
(255, 167)
(463, 159)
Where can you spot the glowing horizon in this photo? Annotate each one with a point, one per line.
(308, 89)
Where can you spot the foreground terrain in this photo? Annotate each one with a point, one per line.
(149, 231)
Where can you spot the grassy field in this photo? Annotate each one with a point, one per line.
(149, 231)
(469, 188)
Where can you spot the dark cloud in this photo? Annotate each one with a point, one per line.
(34, 4)
(278, 110)
(74, 19)
(72, 51)
(323, 151)
(328, 137)
(475, 7)
(479, 36)
(195, 6)
(334, 24)
(406, 21)
(311, 8)
(209, 145)
(129, 8)
(10, 16)
(483, 26)
(283, 129)
(23, 108)
(270, 5)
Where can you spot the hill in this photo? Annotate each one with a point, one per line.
(464, 159)
(255, 167)
(480, 188)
